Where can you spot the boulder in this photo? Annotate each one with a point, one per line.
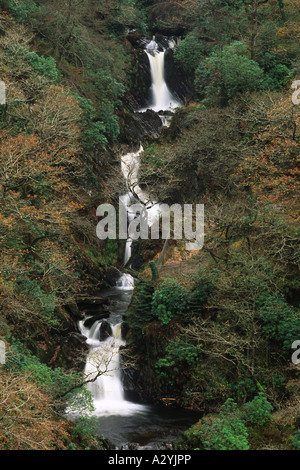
(90, 321)
(105, 330)
(137, 127)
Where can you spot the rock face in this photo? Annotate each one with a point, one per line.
(71, 352)
(150, 123)
(174, 74)
(137, 127)
(175, 78)
(105, 330)
(90, 321)
(141, 80)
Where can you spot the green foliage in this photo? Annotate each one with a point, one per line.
(110, 120)
(277, 75)
(124, 14)
(99, 125)
(21, 9)
(243, 307)
(93, 128)
(228, 430)
(109, 253)
(140, 311)
(179, 356)
(296, 439)
(199, 293)
(109, 88)
(43, 65)
(94, 62)
(227, 73)
(85, 429)
(32, 64)
(54, 381)
(61, 385)
(43, 302)
(190, 51)
(246, 386)
(258, 411)
(281, 321)
(224, 432)
(154, 270)
(169, 300)
(80, 400)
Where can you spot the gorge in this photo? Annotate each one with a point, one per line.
(123, 421)
(119, 340)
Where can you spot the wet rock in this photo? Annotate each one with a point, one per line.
(175, 78)
(141, 80)
(73, 309)
(136, 39)
(130, 446)
(90, 301)
(105, 330)
(100, 316)
(71, 352)
(137, 127)
(124, 330)
(111, 276)
(93, 305)
(150, 123)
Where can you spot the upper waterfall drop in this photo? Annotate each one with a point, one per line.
(162, 98)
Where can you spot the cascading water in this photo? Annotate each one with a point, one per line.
(122, 420)
(103, 362)
(103, 365)
(162, 97)
(130, 166)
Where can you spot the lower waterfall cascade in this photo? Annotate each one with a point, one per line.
(103, 366)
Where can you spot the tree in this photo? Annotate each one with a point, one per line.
(27, 421)
(227, 73)
(225, 431)
(271, 171)
(252, 8)
(169, 300)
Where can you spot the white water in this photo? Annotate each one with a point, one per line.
(162, 98)
(103, 365)
(103, 370)
(126, 282)
(130, 165)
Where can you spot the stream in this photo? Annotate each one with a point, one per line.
(122, 421)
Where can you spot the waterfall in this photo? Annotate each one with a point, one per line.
(120, 420)
(162, 98)
(103, 370)
(103, 364)
(104, 360)
(130, 165)
(125, 282)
